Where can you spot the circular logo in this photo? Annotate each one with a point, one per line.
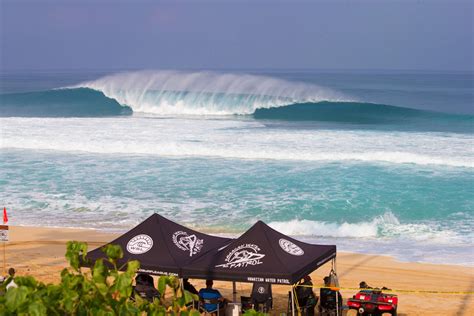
(290, 247)
(261, 290)
(139, 244)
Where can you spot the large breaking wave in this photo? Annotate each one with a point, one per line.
(206, 93)
(174, 93)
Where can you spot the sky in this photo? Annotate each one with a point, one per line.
(425, 35)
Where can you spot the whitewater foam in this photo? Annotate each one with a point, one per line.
(297, 227)
(383, 226)
(204, 92)
(427, 241)
(233, 139)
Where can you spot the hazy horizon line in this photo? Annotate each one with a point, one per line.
(243, 69)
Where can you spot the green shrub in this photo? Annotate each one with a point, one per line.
(103, 291)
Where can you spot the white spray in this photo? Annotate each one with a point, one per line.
(205, 93)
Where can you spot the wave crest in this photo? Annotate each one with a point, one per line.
(386, 225)
(305, 227)
(205, 93)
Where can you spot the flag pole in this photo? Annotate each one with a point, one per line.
(4, 257)
(5, 239)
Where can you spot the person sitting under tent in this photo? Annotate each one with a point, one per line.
(145, 288)
(211, 300)
(328, 299)
(305, 296)
(189, 287)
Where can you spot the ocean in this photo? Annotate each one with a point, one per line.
(374, 162)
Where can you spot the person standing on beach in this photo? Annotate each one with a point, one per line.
(10, 281)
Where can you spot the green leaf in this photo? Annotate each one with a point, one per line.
(189, 297)
(173, 282)
(37, 309)
(179, 302)
(252, 312)
(102, 288)
(69, 300)
(99, 271)
(123, 284)
(27, 281)
(113, 252)
(16, 298)
(74, 251)
(133, 266)
(162, 285)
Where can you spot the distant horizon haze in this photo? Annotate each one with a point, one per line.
(241, 70)
(428, 36)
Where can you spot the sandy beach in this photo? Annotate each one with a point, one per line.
(40, 252)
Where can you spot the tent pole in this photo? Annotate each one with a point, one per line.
(292, 301)
(337, 293)
(234, 292)
(181, 284)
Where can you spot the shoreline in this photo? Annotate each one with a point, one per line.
(39, 251)
(211, 231)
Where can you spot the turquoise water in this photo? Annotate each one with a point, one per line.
(219, 151)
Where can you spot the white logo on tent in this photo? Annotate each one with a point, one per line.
(290, 247)
(187, 242)
(243, 256)
(139, 244)
(261, 290)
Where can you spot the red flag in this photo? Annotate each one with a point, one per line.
(5, 215)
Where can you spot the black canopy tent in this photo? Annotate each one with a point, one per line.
(261, 254)
(162, 246)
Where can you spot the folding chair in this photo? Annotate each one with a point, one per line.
(261, 297)
(246, 302)
(145, 288)
(303, 305)
(327, 302)
(209, 306)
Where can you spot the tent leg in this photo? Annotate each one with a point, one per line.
(234, 292)
(292, 301)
